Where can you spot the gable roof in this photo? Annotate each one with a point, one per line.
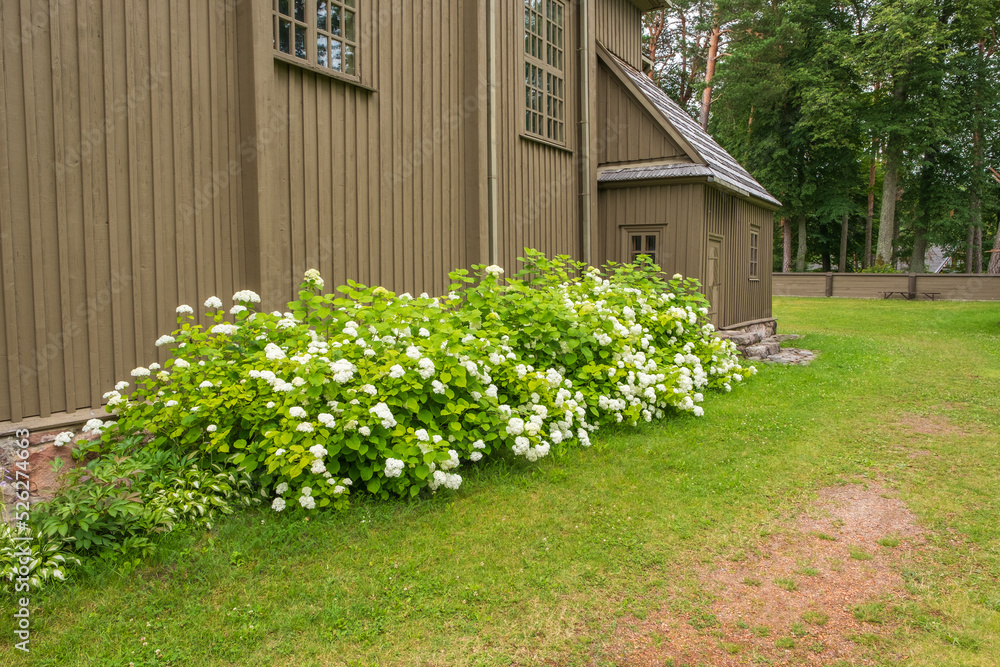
(698, 143)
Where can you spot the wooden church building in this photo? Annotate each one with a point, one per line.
(160, 152)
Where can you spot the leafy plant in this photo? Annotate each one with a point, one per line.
(395, 392)
(388, 392)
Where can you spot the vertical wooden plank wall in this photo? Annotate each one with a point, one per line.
(744, 300)
(619, 28)
(372, 184)
(119, 194)
(538, 184)
(679, 207)
(627, 132)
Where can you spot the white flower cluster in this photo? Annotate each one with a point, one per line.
(313, 276)
(246, 296)
(94, 426)
(115, 399)
(393, 467)
(306, 499)
(342, 371)
(63, 438)
(447, 480)
(382, 412)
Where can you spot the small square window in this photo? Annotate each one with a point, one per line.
(642, 241)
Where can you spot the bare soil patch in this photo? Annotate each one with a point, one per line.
(932, 425)
(815, 594)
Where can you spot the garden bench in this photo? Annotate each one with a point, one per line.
(909, 296)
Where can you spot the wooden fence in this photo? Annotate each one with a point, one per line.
(948, 286)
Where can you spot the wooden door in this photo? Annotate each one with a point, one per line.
(713, 279)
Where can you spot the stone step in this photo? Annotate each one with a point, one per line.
(742, 338)
(762, 350)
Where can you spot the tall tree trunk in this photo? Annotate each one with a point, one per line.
(970, 241)
(827, 261)
(713, 54)
(994, 267)
(786, 237)
(995, 255)
(917, 264)
(842, 265)
(866, 260)
(800, 257)
(977, 249)
(974, 253)
(887, 220)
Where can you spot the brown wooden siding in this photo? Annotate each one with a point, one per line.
(627, 132)
(619, 28)
(679, 207)
(370, 185)
(114, 120)
(743, 299)
(538, 183)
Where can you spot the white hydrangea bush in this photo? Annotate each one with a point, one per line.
(395, 393)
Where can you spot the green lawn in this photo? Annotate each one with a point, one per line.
(540, 563)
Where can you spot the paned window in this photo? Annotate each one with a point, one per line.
(323, 33)
(642, 242)
(544, 69)
(754, 247)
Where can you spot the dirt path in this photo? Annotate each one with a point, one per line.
(817, 594)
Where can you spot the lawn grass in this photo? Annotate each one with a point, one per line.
(533, 563)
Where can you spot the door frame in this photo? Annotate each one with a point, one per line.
(715, 307)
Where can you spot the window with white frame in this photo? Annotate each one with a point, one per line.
(320, 33)
(754, 253)
(544, 69)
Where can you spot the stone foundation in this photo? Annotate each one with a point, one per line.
(43, 480)
(760, 342)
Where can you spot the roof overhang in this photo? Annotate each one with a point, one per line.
(649, 5)
(675, 173)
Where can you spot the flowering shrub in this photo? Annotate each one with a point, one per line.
(394, 393)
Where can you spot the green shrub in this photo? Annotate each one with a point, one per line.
(388, 392)
(117, 502)
(880, 267)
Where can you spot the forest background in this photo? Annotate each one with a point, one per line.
(875, 122)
